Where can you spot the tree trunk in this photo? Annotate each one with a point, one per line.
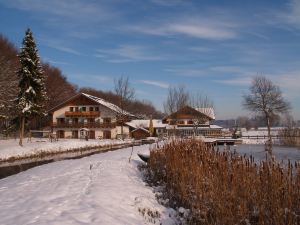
(22, 125)
(122, 132)
(269, 143)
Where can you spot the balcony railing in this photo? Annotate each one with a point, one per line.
(83, 114)
(84, 125)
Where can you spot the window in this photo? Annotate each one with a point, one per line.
(106, 120)
(180, 122)
(97, 109)
(76, 109)
(91, 120)
(60, 120)
(190, 122)
(71, 109)
(91, 109)
(75, 120)
(83, 109)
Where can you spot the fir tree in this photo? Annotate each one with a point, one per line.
(32, 92)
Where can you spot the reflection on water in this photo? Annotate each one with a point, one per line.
(281, 153)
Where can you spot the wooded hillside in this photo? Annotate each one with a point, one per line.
(57, 86)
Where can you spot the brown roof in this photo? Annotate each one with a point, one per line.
(187, 112)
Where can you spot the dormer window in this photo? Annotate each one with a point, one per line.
(71, 109)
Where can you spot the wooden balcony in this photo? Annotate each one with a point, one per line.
(84, 125)
(82, 114)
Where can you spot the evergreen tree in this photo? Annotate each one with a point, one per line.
(32, 92)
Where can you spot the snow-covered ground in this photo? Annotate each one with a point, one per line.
(250, 136)
(99, 189)
(11, 147)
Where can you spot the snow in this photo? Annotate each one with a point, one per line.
(11, 147)
(107, 104)
(260, 132)
(27, 108)
(100, 189)
(145, 123)
(30, 89)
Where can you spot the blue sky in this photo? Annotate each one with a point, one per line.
(212, 47)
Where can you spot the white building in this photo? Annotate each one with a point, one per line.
(89, 114)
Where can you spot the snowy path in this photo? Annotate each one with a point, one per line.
(100, 189)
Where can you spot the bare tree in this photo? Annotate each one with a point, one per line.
(205, 106)
(125, 94)
(265, 98)
(178, 97)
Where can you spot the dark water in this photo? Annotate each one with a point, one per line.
(281, 153)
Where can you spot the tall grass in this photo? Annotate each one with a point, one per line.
(290, 136)
(223, 188)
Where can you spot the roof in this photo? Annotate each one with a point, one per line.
(188, 112)
(109, 105)
(210, 127)
(141, 128)
(100, 101)
(146, 123)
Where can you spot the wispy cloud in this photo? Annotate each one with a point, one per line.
(78, 10)
(155, 83)
(65, 49)
(237, 70)
(58, 45)
(292, 15)
(239, 81)
(187, 72)
(92, 79)
(56, 62)
(200, 49)
(217, 27)
(127, 53)
(167, 2)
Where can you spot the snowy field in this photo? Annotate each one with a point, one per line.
(100, 189)
(11, 147)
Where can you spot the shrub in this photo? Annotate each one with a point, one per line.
(224, 188)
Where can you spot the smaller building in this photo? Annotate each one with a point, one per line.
(140, 133)
(159, 128)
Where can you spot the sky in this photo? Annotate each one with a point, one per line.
(211, 47)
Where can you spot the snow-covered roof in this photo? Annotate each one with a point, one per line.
(192, 127)
(146, 123)
(141, 128)
(208, 112)
(109, 105)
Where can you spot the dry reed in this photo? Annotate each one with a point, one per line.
(290, 136)
(224, 188)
